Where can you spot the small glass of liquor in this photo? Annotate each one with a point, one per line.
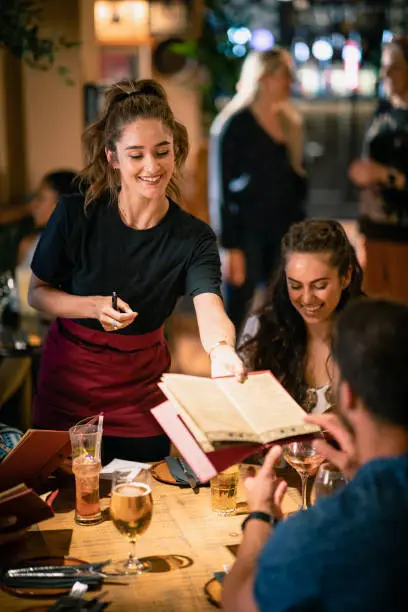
(224, 491)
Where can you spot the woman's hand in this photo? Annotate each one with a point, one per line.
(366, 172)
(225, 361)
(234, 267)
(111, 319)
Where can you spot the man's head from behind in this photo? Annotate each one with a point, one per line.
(370, 349)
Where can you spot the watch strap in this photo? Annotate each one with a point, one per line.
(260, 516)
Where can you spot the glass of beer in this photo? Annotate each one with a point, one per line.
(224, 491)
(86, 438)
(131, 512)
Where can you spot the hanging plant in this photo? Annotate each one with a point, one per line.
(213, 52)
(20, 22)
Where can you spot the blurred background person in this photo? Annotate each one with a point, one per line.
(383, 175)
(290, 334)
(256, 179)
(51, 188)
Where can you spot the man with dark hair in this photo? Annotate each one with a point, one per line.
(348, 553)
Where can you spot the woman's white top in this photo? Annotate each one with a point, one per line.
(321, 395)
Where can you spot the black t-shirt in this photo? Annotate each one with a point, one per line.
(259, 192)
(384, 211)
(95, 253)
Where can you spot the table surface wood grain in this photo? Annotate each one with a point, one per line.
(186, 542)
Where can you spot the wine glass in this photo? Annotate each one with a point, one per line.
(131, 511)
(304, 458)
(328, 479)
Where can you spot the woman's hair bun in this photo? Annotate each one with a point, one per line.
(148, 87)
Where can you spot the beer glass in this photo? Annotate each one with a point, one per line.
(224, 491)
(131, 512)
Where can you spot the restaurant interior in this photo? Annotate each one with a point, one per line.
(57, 59)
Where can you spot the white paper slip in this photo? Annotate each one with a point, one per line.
(122, 464)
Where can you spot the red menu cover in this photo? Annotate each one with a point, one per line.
(39, 453)
(25, 506)
(204, 465)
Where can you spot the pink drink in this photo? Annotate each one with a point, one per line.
(87, 506)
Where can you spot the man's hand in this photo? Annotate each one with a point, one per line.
(265, 491)
(345, 458)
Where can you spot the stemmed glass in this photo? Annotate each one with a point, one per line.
(303, 457)
(131, 511)
(328, 479)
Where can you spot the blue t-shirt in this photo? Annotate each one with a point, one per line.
(348, 553)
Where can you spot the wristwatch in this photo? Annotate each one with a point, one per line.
(261, 516)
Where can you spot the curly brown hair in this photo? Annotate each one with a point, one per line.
(125, 102)
(280, 343)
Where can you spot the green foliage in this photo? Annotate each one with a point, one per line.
(20, 33)
(214, 54)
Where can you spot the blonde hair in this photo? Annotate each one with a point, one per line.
(125, 102)
(256, 64)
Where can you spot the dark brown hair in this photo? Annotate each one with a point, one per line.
(280, 343)
(126, 102)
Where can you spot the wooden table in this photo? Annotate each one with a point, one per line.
(183, 531)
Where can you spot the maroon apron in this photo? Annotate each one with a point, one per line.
(84, 372)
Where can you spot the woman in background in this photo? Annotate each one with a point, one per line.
(51, 188)
(128, 236)
(291, 333)
(383, 175)
(256, 179)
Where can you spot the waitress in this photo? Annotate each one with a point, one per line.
(125, 236)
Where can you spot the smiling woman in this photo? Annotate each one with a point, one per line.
(125, 236)
(291, 333)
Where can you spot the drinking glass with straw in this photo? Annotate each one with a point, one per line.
(86, 439)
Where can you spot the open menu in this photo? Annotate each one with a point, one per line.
(39, 453)
(224, 418)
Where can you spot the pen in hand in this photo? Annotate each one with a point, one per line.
(115, 300)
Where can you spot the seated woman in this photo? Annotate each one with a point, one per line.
(290, 334)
